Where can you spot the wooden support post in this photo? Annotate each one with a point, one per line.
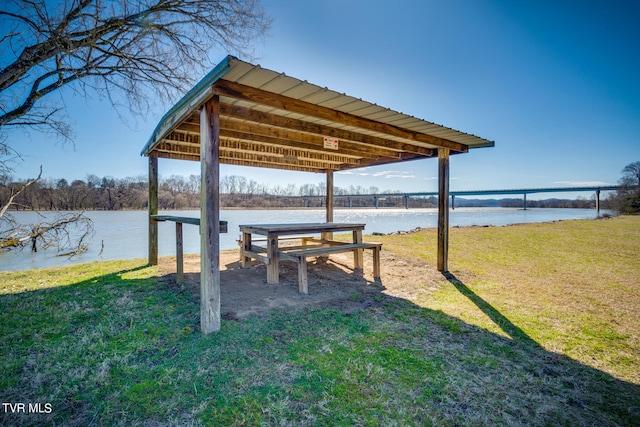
(443, 209)
(153, 208)
(329, 196)
(329, 204)
(179, 255)
(210, 216)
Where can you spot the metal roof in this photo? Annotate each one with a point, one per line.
(269, 119)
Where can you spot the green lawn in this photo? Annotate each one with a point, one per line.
(536, 325)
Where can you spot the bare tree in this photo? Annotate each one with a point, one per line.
(14, 194)
(130, 47)
(627, 199)
(66, 231)
(631, 175)
(118, 49)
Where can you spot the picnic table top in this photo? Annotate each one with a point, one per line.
(282, 229)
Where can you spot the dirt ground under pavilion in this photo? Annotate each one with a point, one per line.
(332, 283)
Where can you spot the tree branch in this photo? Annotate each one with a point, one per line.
(24, 186)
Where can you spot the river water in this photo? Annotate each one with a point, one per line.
(123, 234)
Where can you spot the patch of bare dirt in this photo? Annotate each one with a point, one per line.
(332, 283)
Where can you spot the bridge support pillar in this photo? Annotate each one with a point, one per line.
(524, 202)
(598, 202)
(453, 202)
(375, 201)
(406, 202)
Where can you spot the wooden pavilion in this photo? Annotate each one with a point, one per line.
(243, 114)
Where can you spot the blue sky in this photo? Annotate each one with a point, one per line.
(556, 85)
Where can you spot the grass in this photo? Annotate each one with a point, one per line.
(535, 325)
(571, 286)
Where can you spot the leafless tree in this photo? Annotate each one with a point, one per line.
(131, 50)
(112, 47)
(627, 199)
(68, 231)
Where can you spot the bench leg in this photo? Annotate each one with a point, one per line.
(273, 266)
(376, 263)
(358, 254)
(246, 245)
(303, 283)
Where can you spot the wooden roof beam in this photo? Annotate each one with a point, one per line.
(270, 166)
(176, 156)
(255, 132)
(345, 155)
(366, 163)
(192, 153)
(343, 135)
(240, 146)
(268, 160)
(310, 133)
(236, 90)
(278, 150)
(226, 158)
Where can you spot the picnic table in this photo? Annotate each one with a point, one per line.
(271, 253)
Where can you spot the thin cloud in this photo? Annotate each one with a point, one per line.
(581, 183)
(394, 174)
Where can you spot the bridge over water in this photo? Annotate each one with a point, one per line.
(520, 191)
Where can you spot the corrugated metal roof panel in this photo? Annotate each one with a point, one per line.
(282, 84)
(271, 82)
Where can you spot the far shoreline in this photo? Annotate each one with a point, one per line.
(295, 208)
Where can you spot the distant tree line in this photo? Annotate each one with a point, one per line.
(178, 192)
(579, 203)
(174, 192)
(94, 193)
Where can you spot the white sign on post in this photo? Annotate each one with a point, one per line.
(331, 143)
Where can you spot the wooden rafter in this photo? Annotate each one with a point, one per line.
(247, 93)
(234, 152)
(366, 142)
(309, 135)
(176, 144)
(269, 159)
(286, 152)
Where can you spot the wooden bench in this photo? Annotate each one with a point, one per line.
(300, 256)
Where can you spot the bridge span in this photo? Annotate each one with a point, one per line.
(524, 191)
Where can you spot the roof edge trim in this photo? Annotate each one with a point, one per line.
(192, 99)
(488, 144)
